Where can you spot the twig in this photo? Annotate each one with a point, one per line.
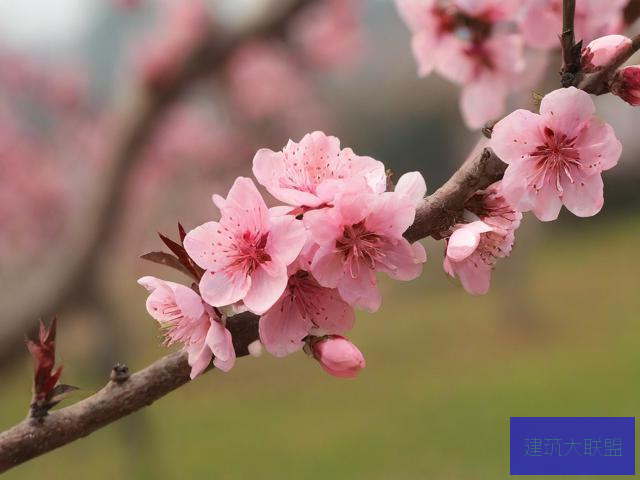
(117, 399)
(571, 50)
(439, 211)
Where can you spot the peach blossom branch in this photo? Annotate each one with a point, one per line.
(126, 394)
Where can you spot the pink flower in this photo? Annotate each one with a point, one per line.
(486, 70)
(309, 173)
(305, 307)
(361, 235)
(265, 80)
(430, 23)
(556, 157)
(338, 356)
(542, 20)
(185, 319)
(626, 84)
(602, 50)
(329, 32)
(247, 252)
(473, 248)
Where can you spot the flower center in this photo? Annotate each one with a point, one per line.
(555, 158)
(250, 251)
(357, 245)
(481, 57)
(305, 293)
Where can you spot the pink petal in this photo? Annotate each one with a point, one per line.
(566, 110)
(514, 186)
(218, 201)
(224, 287)
(206, 245)
(287, 236)
(475, 276)
(546, 203)
(220, 343)
(483, 100)
(331, 313)
(362, 291)
(405, 260)
(423, 45)
(516, 136)
(283, 327)
(373, 171)
(584, 197)
(599, 147)
(151, 283)
(265, 289)
(323, 225)
(462, 243)
(268, 166)
(453, 63)
(199, 358)
(244, 208)
(416, 13)
(353, 208)
(413, 185)
(391, 214)
(540, 25)
(327, 266)
(188, 301)
(161, 294)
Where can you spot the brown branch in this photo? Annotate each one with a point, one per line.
(571, 51)
(439, 211)
(598, 83)
(64, 277)
(119, 398)
(631, 12)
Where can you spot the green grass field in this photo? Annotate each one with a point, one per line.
(557, 336)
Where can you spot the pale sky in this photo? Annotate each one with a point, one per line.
(40, 23)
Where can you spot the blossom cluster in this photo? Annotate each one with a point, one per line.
(480, 44)
(305, 265)
(302, 266)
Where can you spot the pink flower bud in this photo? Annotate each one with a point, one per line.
(626, 84)
(338, 356)
(602, 50)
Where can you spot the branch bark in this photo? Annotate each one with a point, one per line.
(31, 437)
(439, 211)
(571, 51)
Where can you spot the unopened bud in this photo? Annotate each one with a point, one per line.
(338, 356)
(602, 50)
(626, 84)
